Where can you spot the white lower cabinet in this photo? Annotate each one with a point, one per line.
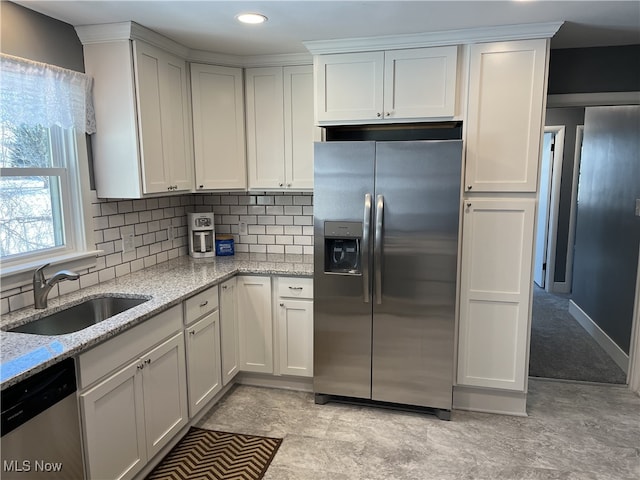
(203, 361)
(129, 416)
(202, 338)
(295, 326)
(276, 341)
(255, 324)
(229, 334)
(495, 292)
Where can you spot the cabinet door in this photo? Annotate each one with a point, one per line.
(203, 361)
(254, 311)
(149, 70)
(420, 82)
(176, 122)
(349, 86)
(218, 127)
(299, 130)
(229, 337)
(113, 421)
(163, 120)
(165, 392)
(295, 337)
(495, 293)
(507, 89)
(265, 127)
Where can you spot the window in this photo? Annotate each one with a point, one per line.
(43, 164)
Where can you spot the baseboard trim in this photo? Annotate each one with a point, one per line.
(599, 335)
(302, 384)
(489, 401)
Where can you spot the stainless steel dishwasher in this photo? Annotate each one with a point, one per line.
(41, 427)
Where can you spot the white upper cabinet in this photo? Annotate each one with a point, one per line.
(218, 127)
(507, 91)
(142, 117)
(280, 129)
(392, 86)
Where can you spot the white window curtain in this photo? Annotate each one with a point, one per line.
(34, 93)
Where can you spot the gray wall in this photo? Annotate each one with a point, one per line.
(599, 69)
(583, 70)
(28, 34)
(607, 231)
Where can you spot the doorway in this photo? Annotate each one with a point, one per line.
(548, 205)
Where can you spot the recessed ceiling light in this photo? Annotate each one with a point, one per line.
(251, 18)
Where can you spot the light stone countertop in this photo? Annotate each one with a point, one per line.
(166, 284)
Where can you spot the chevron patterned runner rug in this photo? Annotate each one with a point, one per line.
(210, 455)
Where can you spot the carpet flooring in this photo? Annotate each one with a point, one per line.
(212, 455)
(562, 349)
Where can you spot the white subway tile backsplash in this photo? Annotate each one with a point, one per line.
(277, 223)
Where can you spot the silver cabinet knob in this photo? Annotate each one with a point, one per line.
(469, 187)
(378, 114)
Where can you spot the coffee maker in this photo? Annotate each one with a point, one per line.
(202, 235)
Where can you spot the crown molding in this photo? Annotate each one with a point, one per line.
(431, 39)
(113, 32)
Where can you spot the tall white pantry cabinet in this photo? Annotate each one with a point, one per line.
(505, 118)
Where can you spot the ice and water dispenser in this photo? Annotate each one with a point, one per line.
(342, 247)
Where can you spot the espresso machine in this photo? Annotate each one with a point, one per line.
(202, 232)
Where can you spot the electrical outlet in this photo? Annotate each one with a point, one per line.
(242, 227)
(128, 243)
(637, 207)
(170, 235)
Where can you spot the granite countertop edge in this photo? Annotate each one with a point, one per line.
(165, 285)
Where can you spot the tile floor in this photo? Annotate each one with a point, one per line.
(573, 431)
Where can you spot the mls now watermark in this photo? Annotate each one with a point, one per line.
(31, 466)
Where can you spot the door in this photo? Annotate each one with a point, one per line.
(165, 393)
(113, 412)
(349, 86)
(217, 100)
(255, 324)
(495, 287)
(416, 220)
(342, 309)
(203, 361)
(295, 341)
(229, 339)
(544, 201)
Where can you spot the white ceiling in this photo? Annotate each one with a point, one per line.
(210, 25)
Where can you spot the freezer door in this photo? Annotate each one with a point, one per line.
(417, 211)
(341, 308)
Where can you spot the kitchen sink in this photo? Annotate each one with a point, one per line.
(82, 315)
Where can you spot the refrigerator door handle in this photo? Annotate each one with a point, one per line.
(366, 229)
(377, 248)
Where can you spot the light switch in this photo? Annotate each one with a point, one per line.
(242, 228)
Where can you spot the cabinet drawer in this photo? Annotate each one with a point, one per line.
(200, 304)
(106, 357)
(295, 287)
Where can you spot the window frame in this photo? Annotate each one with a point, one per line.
(78, 251)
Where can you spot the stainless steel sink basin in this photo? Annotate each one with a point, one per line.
(79, 316)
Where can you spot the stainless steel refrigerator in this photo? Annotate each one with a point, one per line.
(386, 218)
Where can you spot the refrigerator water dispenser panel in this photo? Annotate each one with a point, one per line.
(342, 247)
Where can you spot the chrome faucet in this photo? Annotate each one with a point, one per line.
(41, 287)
